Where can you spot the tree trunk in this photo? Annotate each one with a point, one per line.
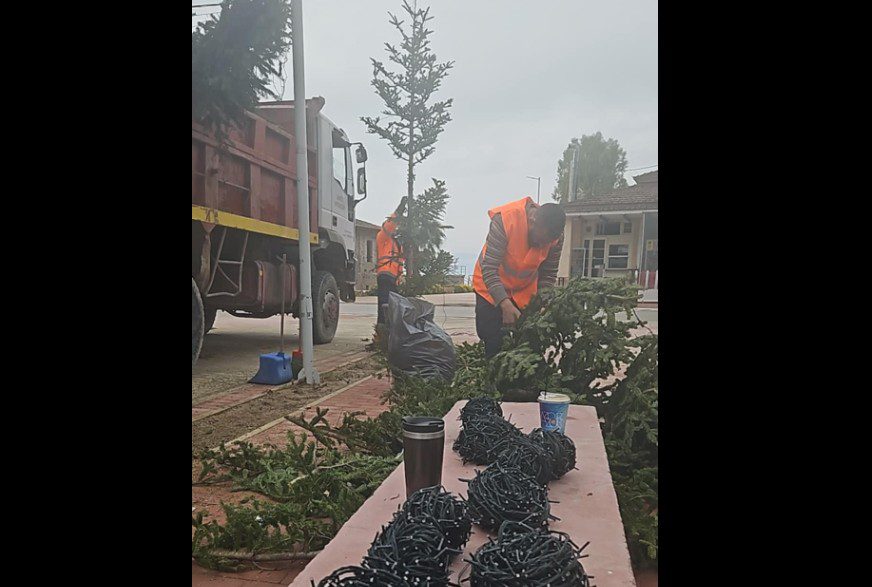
(409, 250)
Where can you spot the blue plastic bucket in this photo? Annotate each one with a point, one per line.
(553, 409)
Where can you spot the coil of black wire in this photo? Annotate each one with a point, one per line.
(415, 550)
(352, 576)
(483, 436)
(529, 456)
(447, 511)
(507, 493)
(559, 447)
(479, 406)
(529, 557)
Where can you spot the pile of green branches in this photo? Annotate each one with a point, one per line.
(313, 489)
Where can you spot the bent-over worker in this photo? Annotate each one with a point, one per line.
(520, 257)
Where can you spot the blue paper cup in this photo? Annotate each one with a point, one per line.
(553, 409)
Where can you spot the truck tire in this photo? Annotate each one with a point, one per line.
(197, 321)
(325, 307)
(209, 315)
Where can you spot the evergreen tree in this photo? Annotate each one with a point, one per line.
(414, 123)
(422, 228)
(599, 167)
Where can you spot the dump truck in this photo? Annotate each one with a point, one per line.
(244, 236)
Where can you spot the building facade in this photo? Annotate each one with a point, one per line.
(366, 254)
(613, 235)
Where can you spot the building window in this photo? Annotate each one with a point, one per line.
(608, 228)
(339, 170)
(598, 258)
(628, 227)
(619, 256)
(579, 258)
(369, 251)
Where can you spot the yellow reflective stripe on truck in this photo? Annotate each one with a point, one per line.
(230, 220)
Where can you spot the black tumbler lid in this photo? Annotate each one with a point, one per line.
(423, 424)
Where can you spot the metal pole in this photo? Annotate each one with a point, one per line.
(282, 335)
(312, 376)
(538, 182)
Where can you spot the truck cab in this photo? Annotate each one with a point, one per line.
(337, 210)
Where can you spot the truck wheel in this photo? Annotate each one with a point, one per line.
(325, 307)
(209, 315)
(197, 322)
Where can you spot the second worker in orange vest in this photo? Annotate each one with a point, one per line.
(389, 265)
(520, 257)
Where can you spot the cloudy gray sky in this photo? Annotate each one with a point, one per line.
(528, 76)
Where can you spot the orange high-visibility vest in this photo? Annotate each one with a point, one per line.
(519, 270)
(390, 255)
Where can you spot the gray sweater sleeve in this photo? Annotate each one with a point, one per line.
(548, 269)
(490, 264)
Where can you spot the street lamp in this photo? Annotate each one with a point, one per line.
(538, 183)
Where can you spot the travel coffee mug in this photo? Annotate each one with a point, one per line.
(423, 441)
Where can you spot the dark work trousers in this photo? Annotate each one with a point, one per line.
(386, 284)
(489, 325)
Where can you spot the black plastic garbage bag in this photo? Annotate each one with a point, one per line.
(416, 345)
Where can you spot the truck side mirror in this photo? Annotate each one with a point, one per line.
(361, 180)
(361, 154)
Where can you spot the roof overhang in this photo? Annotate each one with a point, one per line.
(610, 212)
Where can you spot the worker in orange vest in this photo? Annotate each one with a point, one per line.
(520, 257)
(389, 265)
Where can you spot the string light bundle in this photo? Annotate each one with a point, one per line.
(559, 448)
(483, 436)
(529, 456)
(524, 556)
(479, 406)
(416, 551)
(448, 512)
(362, 577)
(507, 493)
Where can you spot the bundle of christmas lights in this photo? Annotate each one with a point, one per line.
(531, 457)
(524, 556)
(415, 549)
(559, 448)
(450, 514)
(507, 493)
(483, 437)
(362, 577)
(479, 406)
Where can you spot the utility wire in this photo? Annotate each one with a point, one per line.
(648, 167)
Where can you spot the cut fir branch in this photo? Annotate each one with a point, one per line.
(376, 436)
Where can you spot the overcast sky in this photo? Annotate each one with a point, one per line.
(528, 76)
